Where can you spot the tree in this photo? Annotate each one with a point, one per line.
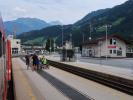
(50, 44)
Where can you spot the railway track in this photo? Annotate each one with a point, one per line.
(119, 83)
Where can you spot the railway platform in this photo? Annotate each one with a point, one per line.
(28, 85)
(56, 84)
(116, 71)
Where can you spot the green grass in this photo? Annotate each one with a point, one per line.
(100, 29)
(38, 40)
(118, 22)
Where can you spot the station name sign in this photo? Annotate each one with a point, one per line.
(111, 46)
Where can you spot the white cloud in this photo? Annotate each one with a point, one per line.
(19, 9)
(67, 11)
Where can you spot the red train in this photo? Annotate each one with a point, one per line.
(5, 63)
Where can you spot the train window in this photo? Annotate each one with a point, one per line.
(0, 44)
(3, 46)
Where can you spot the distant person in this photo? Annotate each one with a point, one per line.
(44, 62)
(35, 62)
(27, 58)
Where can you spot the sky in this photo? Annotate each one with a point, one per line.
(65, 11)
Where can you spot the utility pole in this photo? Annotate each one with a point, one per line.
(62, 35)
(83, 38)
(106, 26)
(100, 44)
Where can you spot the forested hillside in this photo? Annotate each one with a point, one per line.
(120, 18)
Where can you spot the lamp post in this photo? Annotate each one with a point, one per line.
(90, 32)
(70, 38)
(50, 46)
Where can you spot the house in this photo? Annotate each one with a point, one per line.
(115, 46)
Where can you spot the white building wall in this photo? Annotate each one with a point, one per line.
(104, 52)
(98, 49)
(101, 50)
(16, 43)
(86, 51)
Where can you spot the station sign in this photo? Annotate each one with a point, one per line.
(112, 46)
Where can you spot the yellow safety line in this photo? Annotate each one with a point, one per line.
(25, 83)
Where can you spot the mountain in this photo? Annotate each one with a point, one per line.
(55, 23)
(25, 24)
(90, 16)
(120, 18)
(40, 36)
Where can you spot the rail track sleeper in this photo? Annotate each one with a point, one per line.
(123, 85)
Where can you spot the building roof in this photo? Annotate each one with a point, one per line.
(90, 42)
(95, 41)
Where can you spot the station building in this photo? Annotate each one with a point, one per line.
(115, 47)
(15, 45)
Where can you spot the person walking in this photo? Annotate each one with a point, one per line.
(27, 58)
(35, 62)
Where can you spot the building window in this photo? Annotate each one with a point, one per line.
(114, 51)
(14, 50)
(110, 51)
(110, 41)
(119, 53)
(113, 41)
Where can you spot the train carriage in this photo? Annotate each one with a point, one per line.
(5, 63)
(1, 67)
